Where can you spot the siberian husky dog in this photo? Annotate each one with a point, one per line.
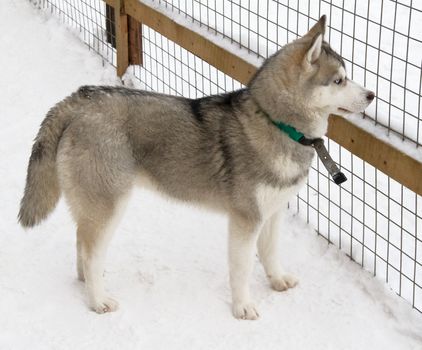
(220, 151)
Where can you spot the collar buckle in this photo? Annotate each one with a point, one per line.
(328, 162)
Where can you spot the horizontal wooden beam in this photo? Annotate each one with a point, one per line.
(385, 157)
(200, 46)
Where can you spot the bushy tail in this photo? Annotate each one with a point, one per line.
(42, 190)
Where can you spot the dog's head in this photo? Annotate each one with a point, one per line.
(309, 77)
(325, 72)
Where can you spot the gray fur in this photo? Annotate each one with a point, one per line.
(213, 150)
(42, 189)
(218, 151)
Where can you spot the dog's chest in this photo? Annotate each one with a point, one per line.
(292, 176)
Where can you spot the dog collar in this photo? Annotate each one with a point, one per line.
(289, 130)
(317, 144)
(293, 133)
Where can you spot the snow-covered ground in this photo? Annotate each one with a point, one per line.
(167, 263)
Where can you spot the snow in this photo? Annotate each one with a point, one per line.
(167, 264)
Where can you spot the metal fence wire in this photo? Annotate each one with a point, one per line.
(372, 218)
(94, 26)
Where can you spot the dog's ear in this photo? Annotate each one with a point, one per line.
(318, 28)
(314, 51)
(314, 38)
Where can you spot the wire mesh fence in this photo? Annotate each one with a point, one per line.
(372, 218)
(94, 25)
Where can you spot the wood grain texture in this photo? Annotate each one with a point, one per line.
(121, 38)
(391, 161)
(135, 41)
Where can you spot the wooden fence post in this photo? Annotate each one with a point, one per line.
(135, 41)
(121, 38)
(127, 35)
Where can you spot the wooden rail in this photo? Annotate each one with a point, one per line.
(385, 157)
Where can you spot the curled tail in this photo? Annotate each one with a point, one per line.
(42, 190)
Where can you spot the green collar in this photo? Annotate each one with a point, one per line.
(290, 131)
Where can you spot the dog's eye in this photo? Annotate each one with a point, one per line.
(338, 81)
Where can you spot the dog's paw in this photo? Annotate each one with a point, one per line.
(104, 305)
(245, 311)
(283, 282)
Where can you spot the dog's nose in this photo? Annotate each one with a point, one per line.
(370, 96)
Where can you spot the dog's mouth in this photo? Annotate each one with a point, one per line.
(344, 110)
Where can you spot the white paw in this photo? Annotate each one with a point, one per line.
(283, 282)
(245, 311)
(104, 305)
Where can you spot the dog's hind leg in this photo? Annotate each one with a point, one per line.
(79, 263)
(93, 236)
(96, 170)
(269, 255)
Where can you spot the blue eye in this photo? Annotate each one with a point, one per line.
(338, 81)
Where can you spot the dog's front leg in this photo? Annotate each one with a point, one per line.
(269, 254)
(242, 242)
